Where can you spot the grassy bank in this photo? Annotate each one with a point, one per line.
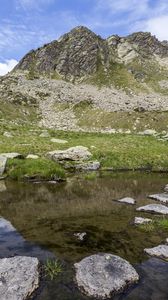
(117, 151)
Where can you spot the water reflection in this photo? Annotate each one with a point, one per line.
(49, 215)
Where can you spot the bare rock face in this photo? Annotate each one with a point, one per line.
(101, 275)
(19, 277)
(75, 54)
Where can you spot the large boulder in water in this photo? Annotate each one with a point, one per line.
(101, 275)
(19, 277)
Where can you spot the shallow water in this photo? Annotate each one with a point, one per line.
(46, 216)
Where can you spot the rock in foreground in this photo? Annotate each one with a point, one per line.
(100, 275)
(154, 208)
(160, 251)
(160, 197)
(19, 277)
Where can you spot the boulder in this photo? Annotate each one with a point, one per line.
(154, 208)
(141, 221)
(160, 197)
(3, 161)
(12, 155)
(160, 251)
(127, 200)
(74, 154)
(100, 275)
(58, 141)
(19, 277)
(88, 166)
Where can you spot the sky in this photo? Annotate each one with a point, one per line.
(28, 24)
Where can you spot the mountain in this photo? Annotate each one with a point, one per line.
(85, 82)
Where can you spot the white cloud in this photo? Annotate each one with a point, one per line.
(7, 66)
(158, 26)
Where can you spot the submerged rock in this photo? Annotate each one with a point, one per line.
(160, 197)
(140, 221)
(154, 208)
(80, 235)
(100, 275)
(3, 161)
(19, 277)
(2, 186)
(159, 251)
(127, 200)
(74, 154)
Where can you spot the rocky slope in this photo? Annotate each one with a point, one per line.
(82, 74)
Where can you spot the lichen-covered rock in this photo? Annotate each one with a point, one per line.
(73, 154)
(19, 277)
(100, 275)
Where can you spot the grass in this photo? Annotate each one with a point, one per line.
(53, 268)
(40, 169)
(155, 225)
(117, 151)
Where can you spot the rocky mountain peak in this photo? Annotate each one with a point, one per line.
(80, 53)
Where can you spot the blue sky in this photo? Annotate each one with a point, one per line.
(28, 24)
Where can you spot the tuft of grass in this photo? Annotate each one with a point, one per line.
(148, 227)
(41, 169)
(163, 223)
(53, 268)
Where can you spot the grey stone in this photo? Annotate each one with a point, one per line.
(160, 251)
(100, 275)
(32, 156)
(58, 141)
(45, 134)
(160, 197)
(127, 200)
(74, 153)
(7, 134)
(12, 155)
(3, 161)
(19, 277)
(88, 166)
(154, 208)
(140, 221)
(80, 235)
(149, 132)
